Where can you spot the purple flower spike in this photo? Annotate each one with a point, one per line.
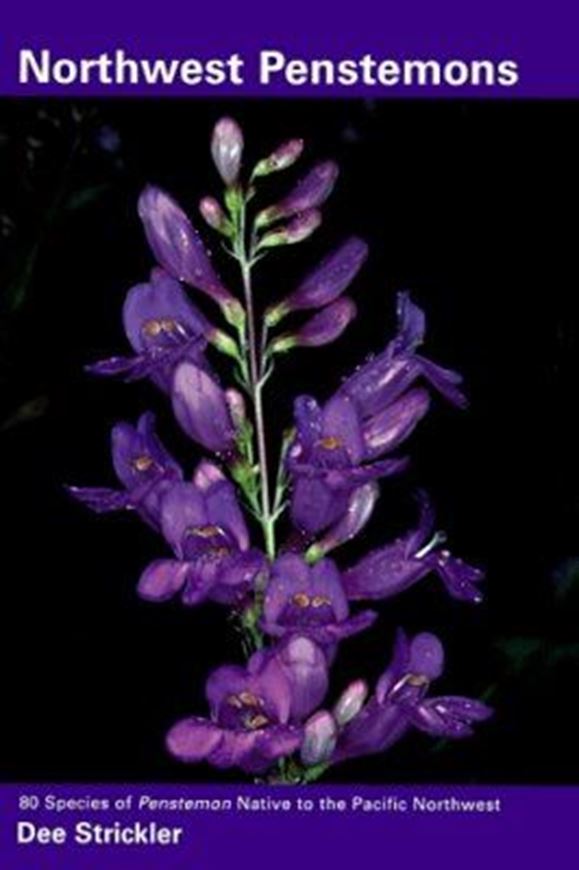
(400, 702)
(326, 282)
(204, 525)
(328, 462)
(309, 600)
(226, 149)
(397, 566)
(250, 714)
(177, 246)
(163, 328)
(382, 380)
(201, 408)
(311, 192)
(143, 466)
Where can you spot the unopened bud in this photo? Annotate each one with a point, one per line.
(214, 215)
(298, 229)
(226, 149)
(350, 702)
(320, 735)
(282, 158)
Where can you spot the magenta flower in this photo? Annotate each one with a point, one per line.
(203, 523)
(163, 328)
(309, 600)
(254, 710)
(386, 377)
(144, 467)
(392, 569)
(334, 453)
(400, 702)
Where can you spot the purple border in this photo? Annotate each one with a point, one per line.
(534, 828)
(541, 37)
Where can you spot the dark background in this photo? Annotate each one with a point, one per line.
(473, 207)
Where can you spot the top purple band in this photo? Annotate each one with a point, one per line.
(297, 49)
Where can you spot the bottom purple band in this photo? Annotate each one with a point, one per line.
(211, 827)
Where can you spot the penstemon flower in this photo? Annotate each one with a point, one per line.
(291, 602)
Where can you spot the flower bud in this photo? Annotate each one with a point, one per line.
(323, 328)
(310, 192)
(283, 157)
(236, 405)
(226, 149)
(350, 702)
(177, 246)
(298, 229)
(213, 214)
(320, 735)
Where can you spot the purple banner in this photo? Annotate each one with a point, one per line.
(370, 49)
(212, 827)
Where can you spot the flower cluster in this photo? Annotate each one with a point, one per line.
(294, 603)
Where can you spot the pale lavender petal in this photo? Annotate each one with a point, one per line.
(201, 408)
(193, 739)
(162, 579)
(320, 737)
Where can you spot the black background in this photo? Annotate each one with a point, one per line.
(471, 206)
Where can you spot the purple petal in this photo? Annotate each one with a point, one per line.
(310, 192)
(384, 573)
(277, 741)
(223, 510)
(117, 365)
(449, 716)
(315, 505)
(325, 582)
(306, 669)
(271, 681)
(100, 499)
(444, 380)
(327, 325)
(330, 278)
(338, 631)
(235, 749)
(176, 244)
(183, 508)
(426, 656)
(388, 429)
(341, 422)
(201, 408)
(162, 579)
(397, 668)
(237, 575)
(289, 575)
(359, 510)
(159, 313)
(223, 682)
(309, 421)
(193, 739)
(206, 475)
(459, 578)
(374, 729)
(411, 325)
